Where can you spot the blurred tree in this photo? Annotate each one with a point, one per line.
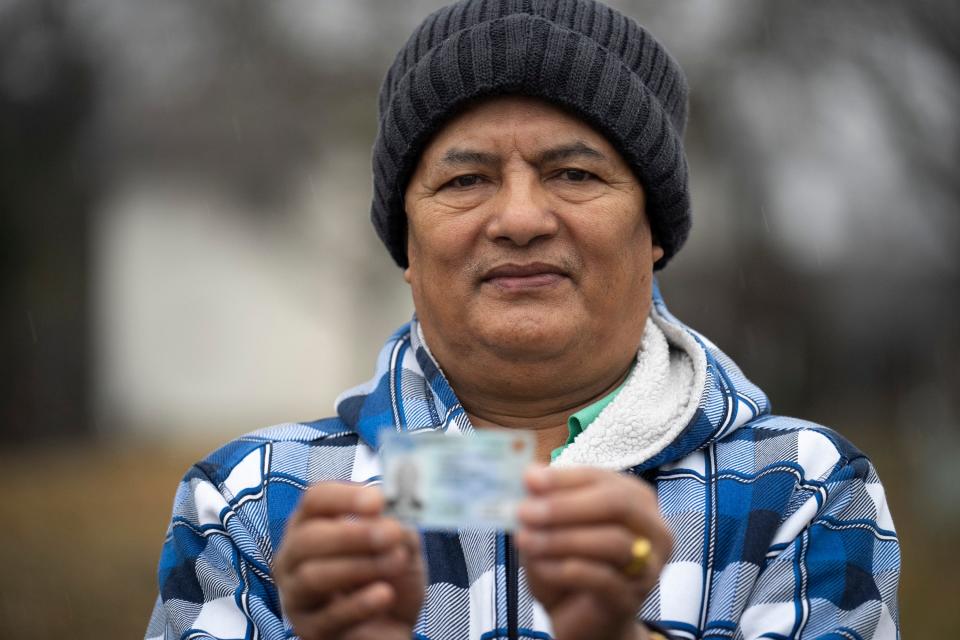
(832, 132)
(47, 187)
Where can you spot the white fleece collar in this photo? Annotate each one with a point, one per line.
(658, 399)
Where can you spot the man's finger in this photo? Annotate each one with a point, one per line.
(316, 538)
(602, 502)
(332, 499)
(545, 479)
(345, 612)
(315, 582)
(578, 575)
(605, 543)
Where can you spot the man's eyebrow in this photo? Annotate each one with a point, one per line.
(457, 156)
(573, 150)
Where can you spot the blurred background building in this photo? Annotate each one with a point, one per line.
(185, 254)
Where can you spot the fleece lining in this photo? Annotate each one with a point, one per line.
(656, 402)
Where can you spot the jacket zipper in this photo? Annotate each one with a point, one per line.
(513, 586)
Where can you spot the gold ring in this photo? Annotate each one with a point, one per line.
(640, 554)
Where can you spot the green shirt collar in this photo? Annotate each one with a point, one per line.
(578, 422)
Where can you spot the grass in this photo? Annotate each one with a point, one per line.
(81, 537)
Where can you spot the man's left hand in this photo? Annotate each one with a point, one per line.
(577, 543)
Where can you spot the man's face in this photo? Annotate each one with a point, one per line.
(527, 237)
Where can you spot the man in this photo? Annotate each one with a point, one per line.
(529, 179)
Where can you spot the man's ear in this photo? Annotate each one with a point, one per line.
(406, 239)
(657, 252)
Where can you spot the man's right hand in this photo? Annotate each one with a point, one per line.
(349, 577)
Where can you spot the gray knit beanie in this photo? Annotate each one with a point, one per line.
(579, 54)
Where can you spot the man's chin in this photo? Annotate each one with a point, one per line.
(531, 337)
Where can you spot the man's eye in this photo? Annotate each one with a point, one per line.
(463, 182)
(576, 175)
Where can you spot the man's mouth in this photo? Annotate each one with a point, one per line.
(515, 277)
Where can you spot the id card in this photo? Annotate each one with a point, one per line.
(439, 481)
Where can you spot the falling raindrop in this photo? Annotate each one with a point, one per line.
(766, 222)
(33, 327)
(237, 132)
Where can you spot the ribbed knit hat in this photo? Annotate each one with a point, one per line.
(579, 54)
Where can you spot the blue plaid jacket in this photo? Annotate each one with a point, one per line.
(781, 526)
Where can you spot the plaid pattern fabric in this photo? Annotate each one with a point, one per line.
(781, 526)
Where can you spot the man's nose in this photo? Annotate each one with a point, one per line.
(522, 210)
